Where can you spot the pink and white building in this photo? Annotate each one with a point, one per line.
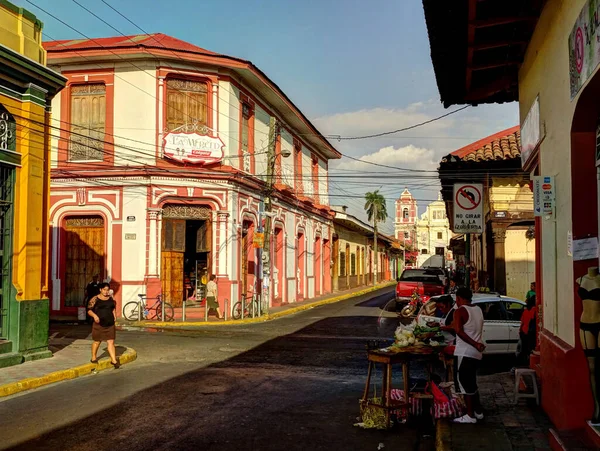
(159, 162)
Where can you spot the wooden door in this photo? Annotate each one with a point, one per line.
(173, 249)
(84, 256)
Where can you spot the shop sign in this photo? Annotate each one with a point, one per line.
(193, 148)
(584, 48)
(259, 240)
(544, 196)
(530, 132)
(468, 208)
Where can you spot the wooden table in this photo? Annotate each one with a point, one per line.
(401, 356)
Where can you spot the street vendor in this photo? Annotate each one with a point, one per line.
(468, 324)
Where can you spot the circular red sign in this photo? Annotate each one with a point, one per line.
(579, 50)
(468, 197)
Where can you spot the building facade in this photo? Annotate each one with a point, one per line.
(160, 170)
(353, 253)
(27, 87)
(433, 234)
(503, 257)
(553, 74)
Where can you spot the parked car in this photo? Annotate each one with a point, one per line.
(502, 320)
(425, 282)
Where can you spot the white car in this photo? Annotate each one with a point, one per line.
(502, 320)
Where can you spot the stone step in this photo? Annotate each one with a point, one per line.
(10, 359)
(5, 346)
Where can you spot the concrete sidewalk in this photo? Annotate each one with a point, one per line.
(71, 359)
(274, 312)
(506, 426)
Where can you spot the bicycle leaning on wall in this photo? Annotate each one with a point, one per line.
(139, 310)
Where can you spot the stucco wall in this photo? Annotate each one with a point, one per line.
(545, 72)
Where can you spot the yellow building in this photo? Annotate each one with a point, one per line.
(546, 56)
(27, 87)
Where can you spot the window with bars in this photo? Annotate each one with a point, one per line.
(88, 122)
(353, 264)
(342, 264)
(187, 106)
(440, 236)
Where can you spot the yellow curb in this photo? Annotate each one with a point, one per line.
(443, 435)
(70, 373)
(269, 317)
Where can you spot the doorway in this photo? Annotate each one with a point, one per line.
(84, 238)
(301, 246)
(318, 269)
(7, 181)
(185, 254)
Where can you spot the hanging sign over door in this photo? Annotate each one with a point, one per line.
(468, 208)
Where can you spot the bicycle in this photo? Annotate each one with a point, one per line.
(250, 307)
(136, 310)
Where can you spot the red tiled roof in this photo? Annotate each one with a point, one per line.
(154, 40)
(504, 145)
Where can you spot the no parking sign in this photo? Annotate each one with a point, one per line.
(468, 208)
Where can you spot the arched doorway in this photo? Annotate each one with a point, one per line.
(84, 256)
(186, 252)
(278, 269)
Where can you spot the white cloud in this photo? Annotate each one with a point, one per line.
(421, 148)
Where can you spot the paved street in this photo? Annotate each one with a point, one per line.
(287, 384)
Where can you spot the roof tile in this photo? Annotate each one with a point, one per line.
(504, 145)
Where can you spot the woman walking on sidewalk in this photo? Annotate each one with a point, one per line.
(102, 308)
(211, 296)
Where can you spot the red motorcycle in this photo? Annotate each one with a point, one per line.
(417, 300)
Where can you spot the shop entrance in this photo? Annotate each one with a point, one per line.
(185, 253)
(7, 174)
(84, 238)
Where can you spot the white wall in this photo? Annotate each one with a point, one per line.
(55, 122)
(135, 117)
(323, 183)
(307, 172)
(287, 164)
(261, 140)
(229, 122)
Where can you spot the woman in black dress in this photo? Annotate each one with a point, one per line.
(102, 308)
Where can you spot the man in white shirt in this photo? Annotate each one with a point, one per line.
(468, 324)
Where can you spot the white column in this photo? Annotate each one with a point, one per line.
(161, 112)
(153, 243)
(215, 108)
(222, 225)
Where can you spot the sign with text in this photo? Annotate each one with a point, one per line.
(468, 208)
(544, 196)
(193, 148)
(530, 132)
(584, 48)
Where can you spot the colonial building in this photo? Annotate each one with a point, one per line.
(545, 56)
(160, 169)
(433, 234)
(26, 90)
(353, 260)
(503, 257)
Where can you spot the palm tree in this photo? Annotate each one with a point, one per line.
(377, 212)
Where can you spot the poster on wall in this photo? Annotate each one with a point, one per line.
(584, 48)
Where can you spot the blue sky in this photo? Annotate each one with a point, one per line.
(351, 67)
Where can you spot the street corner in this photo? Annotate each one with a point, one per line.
(11, 388)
